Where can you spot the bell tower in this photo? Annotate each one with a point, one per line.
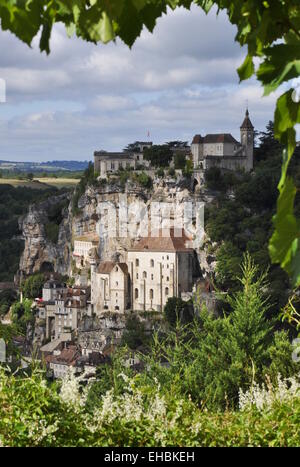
(247, 140)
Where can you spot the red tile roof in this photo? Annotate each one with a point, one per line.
(164, 243)
(105, 267)
(198, 139)
(67, 356)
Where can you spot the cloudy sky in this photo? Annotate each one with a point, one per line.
(177, 82)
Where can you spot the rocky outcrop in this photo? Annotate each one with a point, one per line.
(41, 254)
(98, 332)
(99, 207)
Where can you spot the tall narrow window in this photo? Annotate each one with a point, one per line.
(137, 263)
(166, 291)
(151, 294)
(136, 293)
(144, 275)
(152, 263)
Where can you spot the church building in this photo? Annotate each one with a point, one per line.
(160, 267)
(224, 151)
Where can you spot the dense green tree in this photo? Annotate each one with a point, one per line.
(179, 160)
(177, 144)
(32, 286)
(158, 155)
(213, 358)
(177, 309)
(7, 298)
(229, 259)
(134, 334)
(22, 314)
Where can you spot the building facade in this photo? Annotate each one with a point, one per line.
(224, 151)
(159, 268)
(82, 248)
(109, 285)
(106, 163)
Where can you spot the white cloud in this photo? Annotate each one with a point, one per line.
(178, 81)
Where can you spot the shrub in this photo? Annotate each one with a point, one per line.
(160, 172)
(144, 180)
(52, 231)
(32, 286)
(35, 413)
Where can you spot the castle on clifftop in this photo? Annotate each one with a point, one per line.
(224, 151)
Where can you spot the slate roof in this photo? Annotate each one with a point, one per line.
(214, 138)
(163, 243)
(220, 138)
(247, 124)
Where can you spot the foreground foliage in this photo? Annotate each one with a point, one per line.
(33, 413)
(218, 381)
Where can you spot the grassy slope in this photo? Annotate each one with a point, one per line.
(40, 183)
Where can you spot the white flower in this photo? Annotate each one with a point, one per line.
(296, 92)
(263, 397)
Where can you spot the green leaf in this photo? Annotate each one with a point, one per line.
(45, 37)
(282, 63)
(284, 245)
(206, 5)
(246, 70)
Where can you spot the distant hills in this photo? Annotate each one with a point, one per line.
(50, 166)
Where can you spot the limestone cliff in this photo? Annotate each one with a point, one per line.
(40, 253)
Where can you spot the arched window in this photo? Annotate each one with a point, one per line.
(136, 293)
(152, 263)
(137, 263)
(144, 275)
(151, 294)
(166, 291)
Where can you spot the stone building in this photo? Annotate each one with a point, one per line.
(61, 361)
(82, 248)
(106, 163)
(159, 267)
(63, 312)
(224, 151)
(51, 289)
(109, 285)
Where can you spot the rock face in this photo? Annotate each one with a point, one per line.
(97, 333)
(40, 254)
(101, 212)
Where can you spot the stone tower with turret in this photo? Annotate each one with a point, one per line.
(247, 140)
